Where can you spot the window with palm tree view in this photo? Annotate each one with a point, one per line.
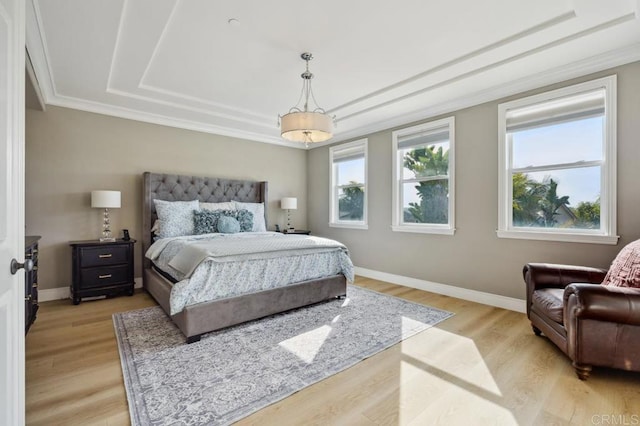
(423, 169)
(557, 162)
(349, 184)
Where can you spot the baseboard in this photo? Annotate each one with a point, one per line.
(58, 293)
(490, 299)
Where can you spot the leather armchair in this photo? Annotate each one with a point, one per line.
(594, 325)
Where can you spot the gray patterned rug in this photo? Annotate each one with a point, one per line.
(232, 373)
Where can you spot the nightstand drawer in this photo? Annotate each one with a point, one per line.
(103, 277)
(103, 256)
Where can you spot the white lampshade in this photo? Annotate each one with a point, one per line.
(105, 199)
(289, 203)
(306, 127)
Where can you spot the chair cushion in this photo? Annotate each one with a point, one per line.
(548, 301)
(625, 269)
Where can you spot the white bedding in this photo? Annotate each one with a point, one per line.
(254, 261)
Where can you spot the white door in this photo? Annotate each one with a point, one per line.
(12, 66)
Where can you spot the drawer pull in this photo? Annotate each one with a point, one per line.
(104, 276)
(28, 298)
(105, 256)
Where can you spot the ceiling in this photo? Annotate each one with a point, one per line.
(377, 64)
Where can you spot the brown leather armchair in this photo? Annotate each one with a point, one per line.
(594, 325)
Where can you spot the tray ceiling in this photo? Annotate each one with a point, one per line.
(377, 64)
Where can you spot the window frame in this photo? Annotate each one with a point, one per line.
(397, 214)
(607, 232)
(334, 188)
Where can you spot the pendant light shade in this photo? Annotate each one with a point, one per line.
(303, 123)
(306, 127)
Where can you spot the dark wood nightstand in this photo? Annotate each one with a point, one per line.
(31, 281)
(101, 268)
(296, 232)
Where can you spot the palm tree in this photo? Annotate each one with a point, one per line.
(434, 194)
(527, 195)
(351, 203)
(550, 204)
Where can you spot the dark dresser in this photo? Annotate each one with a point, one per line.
(101, 268)
(31, 281)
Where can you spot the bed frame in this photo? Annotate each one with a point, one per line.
(202, 318)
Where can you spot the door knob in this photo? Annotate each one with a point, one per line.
(15, 266)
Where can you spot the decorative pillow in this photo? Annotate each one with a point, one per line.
(625, 269)
(205, 221)
(244, 217)
(218, 206)
(228, 225)
(257, 209)
(176, 217)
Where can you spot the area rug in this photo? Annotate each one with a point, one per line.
(234, 372)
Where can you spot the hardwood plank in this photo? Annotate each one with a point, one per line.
(484, 365)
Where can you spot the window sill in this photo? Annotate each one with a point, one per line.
(424, 229)
(563, 237)
(348, 225)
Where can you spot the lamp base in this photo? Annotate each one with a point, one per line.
(107, 240)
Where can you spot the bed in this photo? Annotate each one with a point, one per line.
(197, 319)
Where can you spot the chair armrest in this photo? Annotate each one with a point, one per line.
(604, 303)
(549, 275)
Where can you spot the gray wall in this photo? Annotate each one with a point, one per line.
(474, 258)
(69, 153)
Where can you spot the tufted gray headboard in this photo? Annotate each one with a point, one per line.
(168, 187)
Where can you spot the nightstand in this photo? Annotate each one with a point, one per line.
(31, 281)
(297, 232)
(101, 268)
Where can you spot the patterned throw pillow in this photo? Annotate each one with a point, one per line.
(625, 269)
(257, 209)
(228, 225)
(175, 217)
(244, 217)
(206, 221)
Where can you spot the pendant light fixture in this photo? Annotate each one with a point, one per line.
(306, 123)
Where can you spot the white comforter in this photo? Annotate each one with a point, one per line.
(214, 266)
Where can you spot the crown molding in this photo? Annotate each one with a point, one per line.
(37, 48)
(577, 69)
(556, 20)
(130, 114)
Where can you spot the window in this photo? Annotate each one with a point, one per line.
(557, 165)
(423, 189)
(349, 185)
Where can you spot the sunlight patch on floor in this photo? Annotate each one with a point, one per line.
(307, 345)
(438, 369)
(409, 324)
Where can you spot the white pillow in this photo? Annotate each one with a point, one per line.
(218, 206)
(176, 217)
(258, 214)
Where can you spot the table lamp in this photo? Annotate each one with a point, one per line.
(105, 200)
(288, 204)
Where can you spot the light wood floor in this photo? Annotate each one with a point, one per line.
(482, 366)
